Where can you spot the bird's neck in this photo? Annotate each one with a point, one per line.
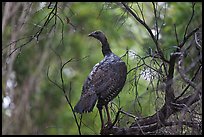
(105, 48)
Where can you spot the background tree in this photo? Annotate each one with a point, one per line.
(46, 56)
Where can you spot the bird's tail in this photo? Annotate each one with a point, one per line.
(86, 103)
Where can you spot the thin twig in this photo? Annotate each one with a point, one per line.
(177, 40)
(128, 114)
(193, 5)
(62, 87)
(148, 29)
(189, 84)
(188, 36)
(68, 101)
(57, 85)
(141, 11)
(116, 118)
(156, 19)
(181, 71)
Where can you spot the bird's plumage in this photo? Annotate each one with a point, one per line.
(105, 81)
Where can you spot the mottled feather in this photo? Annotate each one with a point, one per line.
(105, 81)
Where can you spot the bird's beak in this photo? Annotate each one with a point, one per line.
(91, 34)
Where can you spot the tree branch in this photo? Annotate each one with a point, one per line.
(152, 123)
(148, 29)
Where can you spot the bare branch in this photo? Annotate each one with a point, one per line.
(68, 101)
(156, 20)
(141, 11)
(148, 29)
(177, 40)
(193, 10)
(188, 36)
(196, 73)
(183, 76)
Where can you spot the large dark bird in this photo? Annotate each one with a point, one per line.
(104, 82)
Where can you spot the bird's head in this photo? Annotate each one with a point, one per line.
(98, 35)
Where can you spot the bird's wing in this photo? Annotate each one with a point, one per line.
(106, 80)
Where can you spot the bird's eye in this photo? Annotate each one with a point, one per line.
(96, 32)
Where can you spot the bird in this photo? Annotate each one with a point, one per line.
(104, 82)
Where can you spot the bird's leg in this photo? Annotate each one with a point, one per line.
(108, 115)
(101, 116)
